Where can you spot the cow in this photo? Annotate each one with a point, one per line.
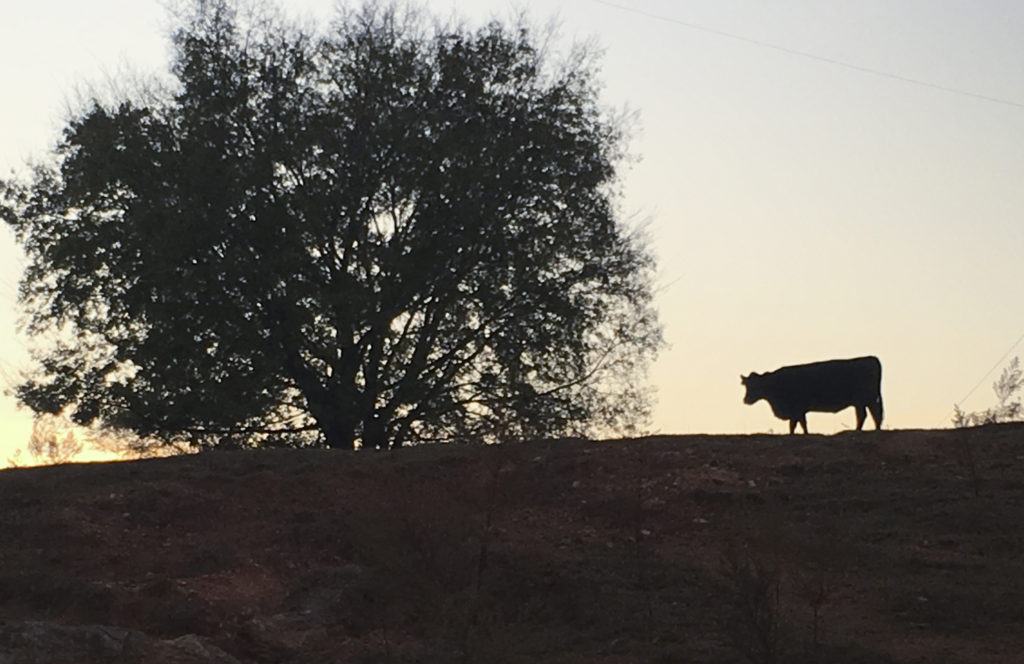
(821, 386)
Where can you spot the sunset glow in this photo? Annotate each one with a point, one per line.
(818, 181)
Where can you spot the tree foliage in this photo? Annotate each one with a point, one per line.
(383, 233)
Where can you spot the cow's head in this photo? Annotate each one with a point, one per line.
(754, 386)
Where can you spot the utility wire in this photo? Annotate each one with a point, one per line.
(994, 367)
(812, 56)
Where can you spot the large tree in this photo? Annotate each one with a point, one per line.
(383, 233)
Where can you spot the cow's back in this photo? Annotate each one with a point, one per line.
(828, 386)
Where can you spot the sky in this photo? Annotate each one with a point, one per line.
(819, 179)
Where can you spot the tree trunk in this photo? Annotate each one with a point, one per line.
(375, 435)
(339, 431)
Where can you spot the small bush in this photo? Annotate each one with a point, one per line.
(752, 585)
(1007, 408)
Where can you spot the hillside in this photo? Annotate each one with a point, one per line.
(891, 547)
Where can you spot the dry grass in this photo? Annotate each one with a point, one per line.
(888, 547)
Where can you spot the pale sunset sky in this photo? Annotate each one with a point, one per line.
(820, 179)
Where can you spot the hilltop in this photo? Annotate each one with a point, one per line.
(892, 547)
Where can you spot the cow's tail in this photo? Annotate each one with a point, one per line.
(877, 411)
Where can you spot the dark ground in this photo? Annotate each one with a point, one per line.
(891, 547)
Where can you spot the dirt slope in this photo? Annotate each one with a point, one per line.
(899, 546)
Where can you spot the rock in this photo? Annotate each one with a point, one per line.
(188, 649)
(22, 642)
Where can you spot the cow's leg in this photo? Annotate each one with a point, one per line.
(876, 413)
(803, 422)
(862, 413)
(792, 427)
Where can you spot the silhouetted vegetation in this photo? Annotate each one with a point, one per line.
(388, 232)
(1008, 406)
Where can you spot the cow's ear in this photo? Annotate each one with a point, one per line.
(743, 379)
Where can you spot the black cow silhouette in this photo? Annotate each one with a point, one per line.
(822, 387)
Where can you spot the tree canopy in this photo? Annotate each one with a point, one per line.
(387, 232)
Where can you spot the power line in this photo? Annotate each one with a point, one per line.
(994, 367)
(812, 56)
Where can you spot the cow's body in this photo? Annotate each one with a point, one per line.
(822, 387)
